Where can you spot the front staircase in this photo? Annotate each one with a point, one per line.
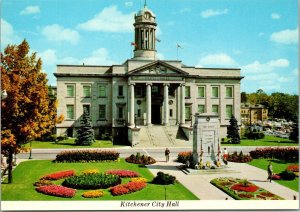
(162, 136)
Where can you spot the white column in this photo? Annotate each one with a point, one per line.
(182, 104)
(166, 101)
(148, 103)
(178, 105)
(132, 104)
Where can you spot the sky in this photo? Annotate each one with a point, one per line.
(258, 36)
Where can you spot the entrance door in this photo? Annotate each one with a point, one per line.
(155, 111)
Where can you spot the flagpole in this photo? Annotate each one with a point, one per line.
(177, 51)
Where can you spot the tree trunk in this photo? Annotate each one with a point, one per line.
(10, 165)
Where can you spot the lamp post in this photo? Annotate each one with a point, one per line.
(134, 120)
(30, 151)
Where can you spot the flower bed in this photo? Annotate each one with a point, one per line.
(90, 171)
(123, 173)
(239, 158)
(59, 175)
(138, 179)
(140, 159)
(92, 181)
(87, 156)
(282, 153)
(293, 168)
(183, 157)
(243, 189)
(56, 190)
(93, 194)
(127, 188)
(43, 183)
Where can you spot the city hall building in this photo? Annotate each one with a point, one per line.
(146, 101)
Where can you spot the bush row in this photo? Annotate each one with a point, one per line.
(127, 188)
(239, 158)
(164, 179)
(123, 173)
(183, 157)
(59, 175)
(86, 156)
(56, 190)
(254, 135)
(92, 181)
(290, 154)
(140, 159)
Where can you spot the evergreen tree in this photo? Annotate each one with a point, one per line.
(85, 134)
(294, 136)
(233, 131)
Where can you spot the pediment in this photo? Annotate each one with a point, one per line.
(157, 68)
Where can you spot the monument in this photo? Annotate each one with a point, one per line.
(206, 142)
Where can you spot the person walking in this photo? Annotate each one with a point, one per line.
(167, 154)
(225, 154)
(270, 171)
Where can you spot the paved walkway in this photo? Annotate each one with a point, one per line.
(201, 187)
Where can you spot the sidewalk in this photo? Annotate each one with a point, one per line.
(201, 187)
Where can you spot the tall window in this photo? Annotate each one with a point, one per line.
(86, 91)
(102, 91)
(201, 91)
(228, 111)
(188, 111)
(215, 109)
(171, 113)
(70, 90)
(102, 111)
(120, 112)
(87, 108)
(229, 92)
(70, 111)
(201, 108)
(187, 92)
(139, 113)
(215, 92)
(120, 90)
(138, 91)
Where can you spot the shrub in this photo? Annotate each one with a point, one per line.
(90, 171)
(287, 175)
(61, 138)
(287, 154)
(164, 179)
(254, 135)
(93, 194)
(56, 190)
(293, 168)
(123, 173)
(86, 156)
(92, 181)
(43, 183)
(127, 188)
(239, 158)
(137, 159)
(59, 175)
(138, 179)
(183, 157)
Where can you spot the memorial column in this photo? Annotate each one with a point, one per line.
(148, 99)
(182, 104)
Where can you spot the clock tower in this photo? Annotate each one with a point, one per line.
(144, 41)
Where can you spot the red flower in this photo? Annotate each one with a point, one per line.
(127, 188)
(249, 188)
(55, 190)
(123, 173)
(293, 168)
(59, 175)
(276, 177)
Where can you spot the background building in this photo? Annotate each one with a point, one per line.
(144, 91)
(253, 114)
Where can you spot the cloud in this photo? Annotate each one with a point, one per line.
(98, 57)
(56, 32)
(210, 13)
(296, 72)
(185, 10)
(216, 60)
(275, 16)
(30, 10)
(261, 34)
(110, 19)
(257, 67)
(128, 4)
(160, 56)
(8, 35)
(48, 57)
(288, 36)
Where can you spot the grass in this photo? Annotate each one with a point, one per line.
(69, 143)
(28, 172)
(266, 141)
(278, 166)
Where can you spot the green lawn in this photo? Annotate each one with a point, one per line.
(69, 143)
(278, 166)
(266, 141)
(28, 172)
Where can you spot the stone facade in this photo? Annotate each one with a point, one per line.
(145, 91)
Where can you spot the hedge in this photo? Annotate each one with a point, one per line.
(290, 154)
(86, 156)
(183, 157)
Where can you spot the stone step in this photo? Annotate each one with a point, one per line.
(189, 171)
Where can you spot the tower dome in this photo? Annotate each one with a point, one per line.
(145, 27)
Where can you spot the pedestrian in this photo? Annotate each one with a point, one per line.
(270, 171)
(167, 154)
(225, 154)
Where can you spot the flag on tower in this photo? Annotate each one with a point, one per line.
(178, 46)
(158, 40)
(133, 44)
